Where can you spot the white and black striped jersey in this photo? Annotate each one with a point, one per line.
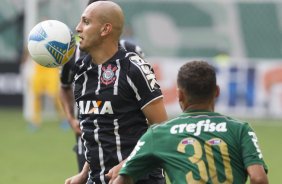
(67, 74)
(110, 98)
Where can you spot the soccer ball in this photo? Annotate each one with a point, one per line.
(51, 43)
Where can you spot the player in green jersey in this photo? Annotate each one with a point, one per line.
(199, 146)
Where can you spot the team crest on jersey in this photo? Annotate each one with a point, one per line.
(108, 75)
(214, 141)
(187, 141)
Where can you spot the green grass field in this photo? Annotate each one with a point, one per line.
(42, 157)
(46, 156)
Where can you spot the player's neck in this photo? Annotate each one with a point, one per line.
(103, 54)
(200, 106)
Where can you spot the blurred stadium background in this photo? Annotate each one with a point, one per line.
(242, 38)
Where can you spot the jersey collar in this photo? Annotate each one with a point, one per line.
(196, 110)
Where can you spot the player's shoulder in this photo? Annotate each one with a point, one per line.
(132, 59)
(82, 59)
(132, 47)
(161, 131)
(139, 66)
(82, 63)
(235, 121)
(132, 56)
(233, 124)
(166, 125)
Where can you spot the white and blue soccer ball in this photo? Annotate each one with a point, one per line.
(51, 43)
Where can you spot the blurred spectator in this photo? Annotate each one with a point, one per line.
(39, 82)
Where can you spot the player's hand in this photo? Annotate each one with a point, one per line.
(75, 126)
(77, 179)
(113, 172)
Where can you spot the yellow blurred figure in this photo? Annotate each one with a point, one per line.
(40, 82)
(44, 81)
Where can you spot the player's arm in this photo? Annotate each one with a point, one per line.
(253, 158)
(66, 93)
(123, 179)
(257, 174)
(81, 177)
(141, 160)
(155, 111)
(146, 87)
(67, 100)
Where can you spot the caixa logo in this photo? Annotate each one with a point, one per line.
(95, 107)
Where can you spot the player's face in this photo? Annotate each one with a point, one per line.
(89, 30)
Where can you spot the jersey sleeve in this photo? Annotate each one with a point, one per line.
(67, 73)
(69, 69)
(251, 151)
(142, 80)
(130, 47)
(142, 159)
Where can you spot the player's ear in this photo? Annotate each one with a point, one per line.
(217, 91)
(106, 29)
(179, 94)
(181, 98)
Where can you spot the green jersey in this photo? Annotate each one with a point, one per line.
(197, 147)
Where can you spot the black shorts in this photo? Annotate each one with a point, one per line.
(155, 177)
(79, 151)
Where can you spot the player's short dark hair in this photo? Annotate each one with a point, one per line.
(92, 1)
(198, 79)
